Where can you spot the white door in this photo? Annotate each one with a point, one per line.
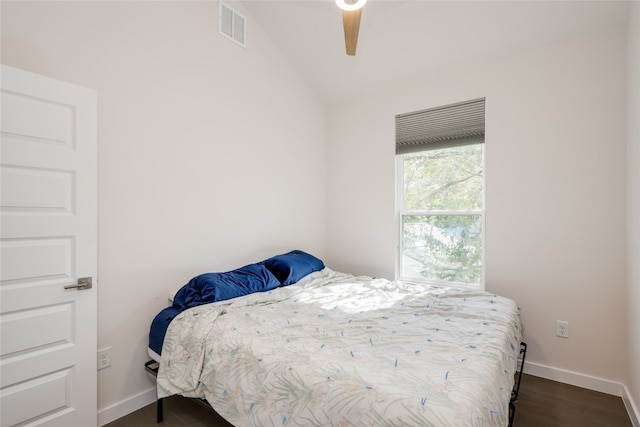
(48, 240)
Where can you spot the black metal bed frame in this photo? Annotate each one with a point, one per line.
(152, 367)
(516, 385)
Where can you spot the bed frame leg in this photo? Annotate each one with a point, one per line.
(159, 411)
(512, 413)
(516, 386)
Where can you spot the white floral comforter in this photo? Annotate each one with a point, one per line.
(340, 350)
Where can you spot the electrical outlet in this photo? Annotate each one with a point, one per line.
(562, 329)
(104, 358)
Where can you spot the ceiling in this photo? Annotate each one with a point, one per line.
(405, 39)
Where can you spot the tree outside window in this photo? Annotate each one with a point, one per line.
(441, 212)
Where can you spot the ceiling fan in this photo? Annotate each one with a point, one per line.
(351, 13)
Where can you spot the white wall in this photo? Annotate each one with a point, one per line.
(555, 190)
(633, 203)
(211, 156)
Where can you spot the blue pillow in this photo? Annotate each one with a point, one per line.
(212, 287)
(293, 266)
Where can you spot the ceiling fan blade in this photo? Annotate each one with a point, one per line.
(351, 23)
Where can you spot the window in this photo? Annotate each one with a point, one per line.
(440, 195)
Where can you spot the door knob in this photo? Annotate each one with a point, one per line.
(83, 283)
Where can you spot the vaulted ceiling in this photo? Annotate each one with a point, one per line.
(406, 39)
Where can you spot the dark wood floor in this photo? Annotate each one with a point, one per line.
(542, 403)
(552, 404)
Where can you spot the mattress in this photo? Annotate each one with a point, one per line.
(338, 349)
(153, 355)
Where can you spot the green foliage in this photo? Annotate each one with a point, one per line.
(448, 245)
(445, 179)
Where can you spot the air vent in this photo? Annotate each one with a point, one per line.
(231, 24)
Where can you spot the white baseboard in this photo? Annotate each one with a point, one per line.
(588, 382)
(125, 407)
(632, 409)
(574, 378)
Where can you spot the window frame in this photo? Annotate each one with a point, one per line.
(401, 212)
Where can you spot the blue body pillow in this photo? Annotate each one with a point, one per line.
(293, 266)
(212, 287)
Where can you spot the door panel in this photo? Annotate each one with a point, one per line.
(48, 239)
(40, 190)
(41, 327)
(55, 257)
(47, 395)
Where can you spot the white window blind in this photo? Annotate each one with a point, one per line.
(448, 126)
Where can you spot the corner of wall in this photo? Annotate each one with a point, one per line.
(632, 408)
(632, 388)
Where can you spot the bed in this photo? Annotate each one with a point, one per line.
(307, 345)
